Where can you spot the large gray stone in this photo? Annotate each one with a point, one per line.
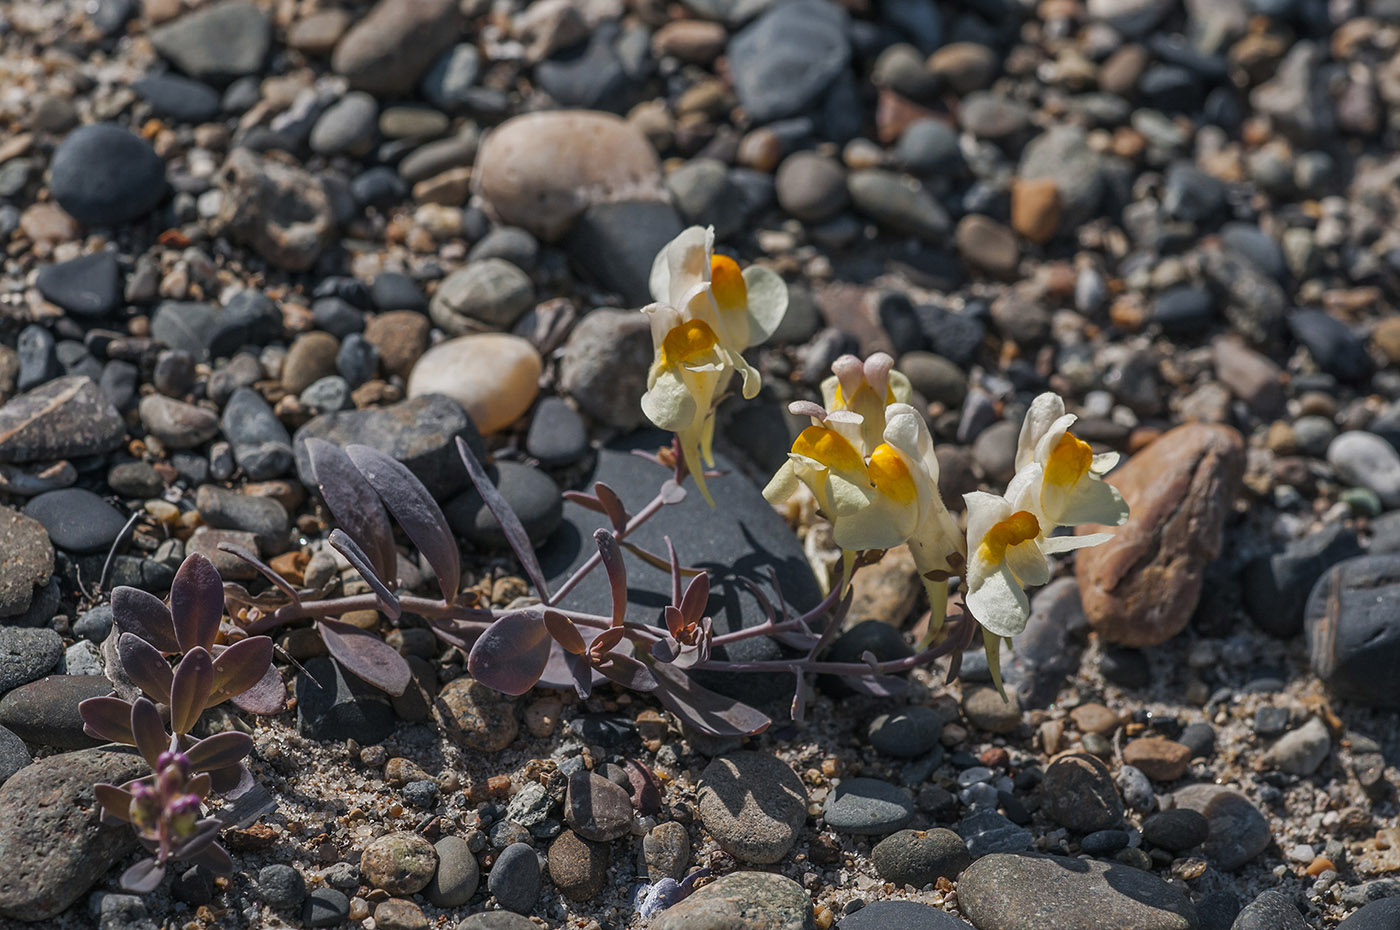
(742, 901)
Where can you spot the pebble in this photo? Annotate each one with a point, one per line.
(87, 286)
(475, 716)
(1176, 830)
(596, 808)
(103, 175)
(906, 734)
(26, 655)
(753, 804)
(332, 705)
(867, 806)
(900, 915)
(666, 851)
(176, 424)
(497, 920)
(604, 366)
(495, 377)
(490, 293)
(557, 436)
(69, 417)
(1140, 588)
(51, 834)
(811, 187)
(1367, 460)
(1276, 587)
(1019, 891)
(1272, 910)
(1301, 751)
(785, 60)
(399, 337)
(217, 43)
(986, 709)
(898, 203)
(610, 243)
(1157, 758)
(261, 444)
(77, 520)
(281, 887)
(457, 875)
(390, 48)
(29, 562)
(920, 857)
(767, 902)
(1238, 831)
(1136, 789)
(515, 878)
(325, 907)
(14, 755)
(1376, 915)
(1351, 633)
(578, 867)
(1078, 793)
(400, 863)
(398, 914)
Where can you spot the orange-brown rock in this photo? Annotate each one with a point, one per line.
(1140, 588)
(1159, 759)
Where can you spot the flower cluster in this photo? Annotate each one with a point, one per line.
(868, 460)
(706, 313)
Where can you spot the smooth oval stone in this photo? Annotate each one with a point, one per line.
(400, 863)
(557, 436)
(14, 755)
(1353, 638)
(106, 176)
(68, 417)
(77, 520)
(87, 286)
(261, 445)
(867, 806)
(920, 857)
(908, 733)
(487, 294)
(390, 48)
(177, 424)
(45, 712)
(766, 901)
(26, 654)
(27, 565)
(1272, 910)
(596, 808)
(515, 878)
(541, 170)
(178, 97)
(1377, 915)
(1367, 460)
(785, 60)
(1238, 831)
(1028, 891)
(457, 875)
(494, 376)
(753, 804)
(900, 915)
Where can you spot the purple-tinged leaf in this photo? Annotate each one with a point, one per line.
(189, 691)
(872, 660)
(136, 611)
(267, 571)
(268, 696)
(107, 718)
(143, 877)
(880, 686)
(214, 858)
(583, 674)
(671, 493)
(205, 832)
(613, 507)
(656, 561)
(240, 667)
(697, 597)
(415, 510)
(196, 602)
(628, 672)
(228, 778)
(564, 631)
(560, 671)
(388, 601)
(510, 523)
(149, 731)
(673, 565)
(145, 666)
(604, 642)
(116, 802)
(799, 700)
(675, 620)
(511, 655)
(611, 555)
(586, 501)
(703, 709)
(354, 504)
(665, 650)
(198, 785)
(366, 656)
(219, 750)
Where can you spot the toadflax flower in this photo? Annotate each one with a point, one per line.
(1071, 490)
(706, 313)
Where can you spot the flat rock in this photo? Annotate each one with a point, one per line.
(539, 171)
(87, 286)
(68, 417)
(51, 839)
(77, 520)
(785, 60)
(26, 655)
(27, 562)
(742, 901)
(1238, 831)
(1352, 629)
(1141, 587)
(103, 175)
(1031, 891)
(420, 432)
(753, 804)
(217, 43)
(867, 806)
(393, 45)
(900, 915)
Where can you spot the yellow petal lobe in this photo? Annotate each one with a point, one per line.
(1014, 530)
(686, 342)
(1068, 462)
(829, 448)
(727, 283)
(891, 476)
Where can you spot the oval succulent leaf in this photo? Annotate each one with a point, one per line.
(196, 602)
(107, 718)
(149, 731)
(564, 632)
(219, 750)
(697, 596)
(189, 691)
(612, 505)
(268, 696)
(511, 655)
(354, 504)
(214, 858)
(145, 666)
(143, 877)
(116, 802)
(510, 523)
(366, 656)
(415, 510)
(628, 672)
(388, 601)
(703, 709)
(205, 832)
(611, 554)
(136, 611)
(240, 667)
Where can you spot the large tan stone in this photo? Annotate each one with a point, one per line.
(541, 170)
(494, 376)
(1140, 588)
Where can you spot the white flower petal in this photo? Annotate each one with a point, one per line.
(1028, 563)
(669, 403)
(1091, 500)
(1057, 544)
(1052, 437)
(688, 260)
(1021, 491)
(880, 525)
(768, 302)
(983, 512)
(900, 387)
(935, 539)
(1104, 462)
(999, 604)
(1044, 410)
(782, 485)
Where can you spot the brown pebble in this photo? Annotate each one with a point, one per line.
(1159, 759)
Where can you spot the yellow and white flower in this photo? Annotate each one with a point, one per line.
(866, 388)
(1071, 490)
(707, 312)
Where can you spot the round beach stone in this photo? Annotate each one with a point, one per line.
(596, 808)
(1366, 460)
(28, 562)
(26, 655)
(811, 187)
(281, 886)
(907, 733)
(487, 294)
(578, 868)
(475, 716)
(399, 863)
(494, 376)
(1078, 792)
(666, 851)
(106, 176)
(1176, 830)
(87, 286)
(457, 875)
(1031, 891)
(920, 857)
(867, 806)
(986, 709)
(900, 915)
(753, 804)
(77, 520)
(541, 170)
(515, 878)
(390, 47)
(604, 366)
(557, 436)
(1238, 830)
(1158, 758)
(751, 900)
